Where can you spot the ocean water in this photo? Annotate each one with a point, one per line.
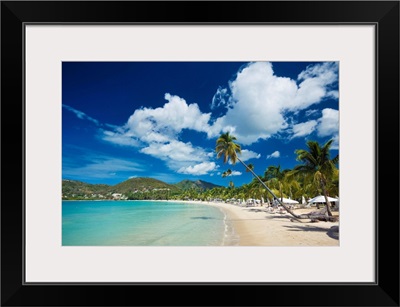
(144, 223)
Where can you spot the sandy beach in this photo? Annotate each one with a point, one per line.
(257, 227)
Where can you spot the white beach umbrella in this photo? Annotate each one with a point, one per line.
(321, 199)
(289, 201)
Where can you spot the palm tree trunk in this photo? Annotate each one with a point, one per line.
(268, 189)
(327, 202)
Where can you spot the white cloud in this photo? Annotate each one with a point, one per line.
(175, 151)
(303, 129)
(80, 114)
(335, 143)
(198, 169)
(181, 156)
(329, 126)
(328, 123)
(333, 94)
(311, 112)
(163, 124)
(247, 155)
(235, 173)
(257, 104)
(157, 130)
(102, 167)
(275, 154)
(326, 72)
(119, 138)
(261, 99)
(221, 98)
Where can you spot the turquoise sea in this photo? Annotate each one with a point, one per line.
(144, 223)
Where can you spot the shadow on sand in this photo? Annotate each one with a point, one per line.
(332, 232)
(255, 210)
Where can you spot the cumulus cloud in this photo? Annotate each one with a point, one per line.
(260, 99)
(335, 143)
(303, 129)
(329, 126)
(325, 126)
(328, 123)
(247, 155)
(157, 130)
(181, 157)
(275, 154)
(235, 173)
(176, 151)
(198, 169)
(165, 123)
(258, 103)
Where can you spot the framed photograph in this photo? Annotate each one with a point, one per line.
(219, 153)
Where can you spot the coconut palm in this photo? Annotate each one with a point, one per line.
(318, 165)
(229, 150)
(250, 166)
(276, 176)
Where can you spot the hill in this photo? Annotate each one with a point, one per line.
(79, 188)
(197, 185)
(141, 184)
(134, 188)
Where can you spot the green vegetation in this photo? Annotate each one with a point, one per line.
(229, 150)
(318, 168)
(197, 185)
(142, 188)
(317, 174)
(73, 189)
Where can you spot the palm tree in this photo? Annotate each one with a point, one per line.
(229, 150)
(250, 166)
(318, 166)
(275, 175)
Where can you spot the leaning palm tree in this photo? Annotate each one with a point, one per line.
(229, 150)
(318, 165)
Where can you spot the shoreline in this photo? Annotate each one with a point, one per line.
(256, 227)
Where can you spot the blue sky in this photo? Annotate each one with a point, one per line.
(161, 119)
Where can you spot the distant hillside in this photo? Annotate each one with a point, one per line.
(141, 184)
(134, 188)
(198, 185)
(70, 187)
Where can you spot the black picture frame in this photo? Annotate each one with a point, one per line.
(383, 14)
